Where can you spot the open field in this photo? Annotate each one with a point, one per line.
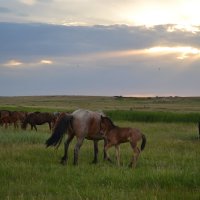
(167, 169)
(70, 103)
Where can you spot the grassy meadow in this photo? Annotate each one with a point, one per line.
(167, 169)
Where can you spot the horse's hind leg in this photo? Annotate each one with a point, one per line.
(65, 157)
(76, 150)
(136, 153)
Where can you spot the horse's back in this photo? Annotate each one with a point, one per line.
(86, 122)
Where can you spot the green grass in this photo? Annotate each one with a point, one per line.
(70, 103)
(167, 169)
(154, 116)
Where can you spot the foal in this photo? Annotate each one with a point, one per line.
(116, 135)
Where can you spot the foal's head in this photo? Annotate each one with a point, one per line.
(106, 125)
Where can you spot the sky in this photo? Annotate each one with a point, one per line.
(104, 48)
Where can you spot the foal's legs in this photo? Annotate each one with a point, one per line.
(77, 148)
(67, 142)
(136, 154)
(108, 145)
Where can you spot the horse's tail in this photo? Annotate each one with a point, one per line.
(143, 142)
(62, 124)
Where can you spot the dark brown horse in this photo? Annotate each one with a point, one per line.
(116, 135)
(17, 117)
(82, 124)
(12, 117)
(5, 117)
(38, 118)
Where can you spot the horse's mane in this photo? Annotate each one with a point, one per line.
(110, 121)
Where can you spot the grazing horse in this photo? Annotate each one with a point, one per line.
(82, 124)
(5, 117)
(17, 117)
(116, 135)
(38, 118)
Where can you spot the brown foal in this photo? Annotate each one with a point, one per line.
(116, 135)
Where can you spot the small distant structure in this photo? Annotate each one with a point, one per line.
(199, 129)
(118, 97)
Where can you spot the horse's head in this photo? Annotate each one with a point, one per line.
(105, 125)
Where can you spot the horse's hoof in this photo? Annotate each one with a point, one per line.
(94, 162)
(130, 165)
(109, 160)
(63, 162)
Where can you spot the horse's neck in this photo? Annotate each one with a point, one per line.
(111, 126)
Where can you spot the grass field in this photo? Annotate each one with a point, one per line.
(167, 169)
(69, 103)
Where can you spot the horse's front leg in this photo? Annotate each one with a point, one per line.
(96, 150)
(66, 146)
(76, 150)
(108, 145)
(35, 127)
(49, 125)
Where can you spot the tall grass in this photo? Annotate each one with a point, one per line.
(147, 116)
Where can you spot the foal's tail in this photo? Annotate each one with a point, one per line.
(143, 142)
(62, 124)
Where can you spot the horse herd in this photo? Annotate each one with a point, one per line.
(82, 124)
(20, 118)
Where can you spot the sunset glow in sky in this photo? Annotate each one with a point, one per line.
(92, 47)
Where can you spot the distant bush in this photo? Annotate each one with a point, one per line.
(147, 116)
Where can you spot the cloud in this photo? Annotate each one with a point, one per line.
(48, 62)
(4, 10)
(28, 2)
(13, 63)
(45, 40)
(98, 60)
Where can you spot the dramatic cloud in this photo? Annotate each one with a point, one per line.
(38, 59)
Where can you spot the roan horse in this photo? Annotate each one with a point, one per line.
(37, 118)
(116, 135)
(82, 124)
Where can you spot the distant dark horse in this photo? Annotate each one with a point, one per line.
(14, 117)
(4, 117)
(116, 135)
(82, 124)
(38, 118)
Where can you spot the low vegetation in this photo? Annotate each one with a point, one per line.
(156, 116)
